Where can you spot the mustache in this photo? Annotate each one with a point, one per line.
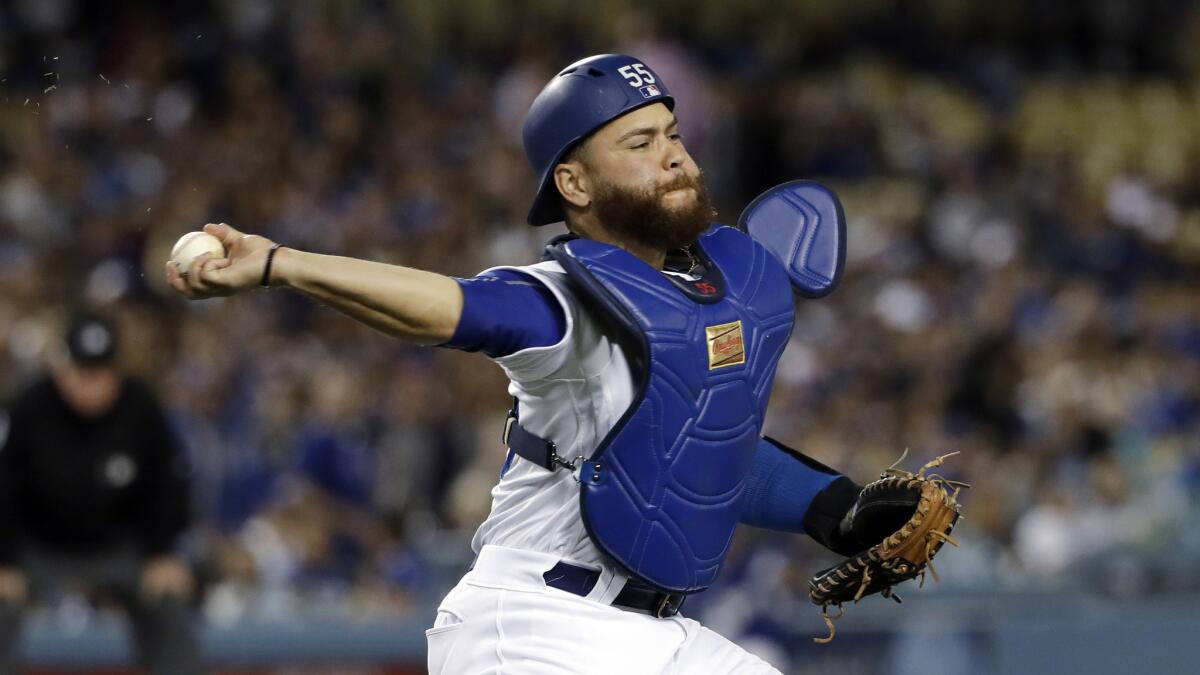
(682, 181)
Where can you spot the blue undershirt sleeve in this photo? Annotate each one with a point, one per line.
(505, 311)
(781, 486)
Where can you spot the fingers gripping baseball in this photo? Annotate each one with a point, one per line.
(225, 232)
(209, 276)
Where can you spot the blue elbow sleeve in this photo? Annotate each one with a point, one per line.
(504, 312)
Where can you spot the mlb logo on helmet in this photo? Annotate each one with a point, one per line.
(649, 91)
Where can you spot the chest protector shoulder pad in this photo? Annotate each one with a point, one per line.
(662, 492)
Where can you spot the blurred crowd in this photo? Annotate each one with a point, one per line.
(1022, 185)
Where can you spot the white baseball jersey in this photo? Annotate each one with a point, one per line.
(572, 392)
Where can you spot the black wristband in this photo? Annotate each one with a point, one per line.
(823, 521)
(266, 277)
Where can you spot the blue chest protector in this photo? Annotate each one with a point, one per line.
(662, 493)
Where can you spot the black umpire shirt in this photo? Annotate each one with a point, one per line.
(81, 485)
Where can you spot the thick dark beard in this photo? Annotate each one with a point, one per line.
(640, 216)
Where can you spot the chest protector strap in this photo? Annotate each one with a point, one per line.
(662, 492)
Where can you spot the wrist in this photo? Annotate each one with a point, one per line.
(265, 280)
(283, 267)
(827, 515)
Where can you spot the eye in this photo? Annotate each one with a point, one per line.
(675, 136)
(643, 144)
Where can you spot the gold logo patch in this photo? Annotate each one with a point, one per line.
(725, 347)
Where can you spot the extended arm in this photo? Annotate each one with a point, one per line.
(420, 306)
(408, 303)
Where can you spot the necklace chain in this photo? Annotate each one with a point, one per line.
(693, 263)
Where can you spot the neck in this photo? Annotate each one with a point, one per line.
(653, 257)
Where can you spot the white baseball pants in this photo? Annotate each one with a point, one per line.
(503, 618)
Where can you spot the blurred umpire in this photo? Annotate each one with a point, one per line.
(93, 498)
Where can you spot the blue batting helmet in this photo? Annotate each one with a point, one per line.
(585, 96)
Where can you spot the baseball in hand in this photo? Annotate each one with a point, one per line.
(192, 245)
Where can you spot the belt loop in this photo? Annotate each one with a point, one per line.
(508, 424)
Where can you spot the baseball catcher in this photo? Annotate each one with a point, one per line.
(640, 354)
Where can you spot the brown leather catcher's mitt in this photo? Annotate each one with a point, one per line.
(925, 510)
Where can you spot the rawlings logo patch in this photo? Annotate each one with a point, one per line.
(725, 345)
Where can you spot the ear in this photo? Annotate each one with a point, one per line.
(571, 180)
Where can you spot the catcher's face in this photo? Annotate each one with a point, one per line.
(643, 151)
(635, 178)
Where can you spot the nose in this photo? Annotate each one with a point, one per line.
(675, 157)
